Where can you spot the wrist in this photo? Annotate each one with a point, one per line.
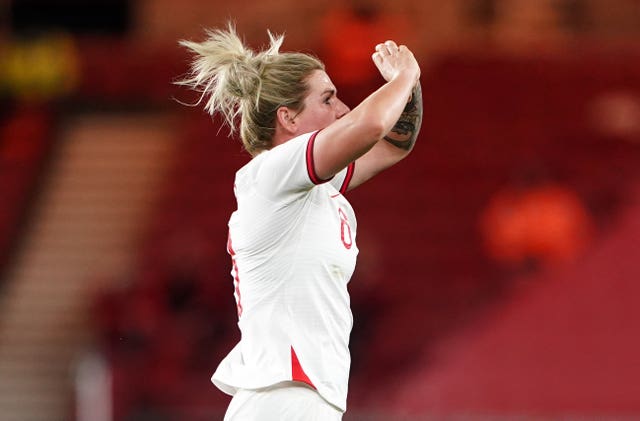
(406, 80)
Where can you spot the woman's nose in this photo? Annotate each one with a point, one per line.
(342, 109)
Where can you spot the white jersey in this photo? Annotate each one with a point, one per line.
(293, 246)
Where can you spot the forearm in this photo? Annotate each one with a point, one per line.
(404, 133)
(383, 108)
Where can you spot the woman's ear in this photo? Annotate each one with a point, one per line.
(285, 118)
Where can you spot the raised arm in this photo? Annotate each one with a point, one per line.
(397, 145)
(405, 132)
(382, 115)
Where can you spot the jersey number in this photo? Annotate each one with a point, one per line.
(345, 230)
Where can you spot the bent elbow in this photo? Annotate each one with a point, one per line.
(375, 128)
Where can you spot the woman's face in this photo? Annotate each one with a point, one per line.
(321, 107)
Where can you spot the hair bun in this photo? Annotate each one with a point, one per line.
(246, 87)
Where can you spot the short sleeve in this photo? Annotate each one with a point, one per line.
(288, 168)
(341, 180)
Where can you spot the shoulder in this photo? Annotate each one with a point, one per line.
(281, 169)
(294, 152)
(296, 143)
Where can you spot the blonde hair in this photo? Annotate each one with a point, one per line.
(241, 84)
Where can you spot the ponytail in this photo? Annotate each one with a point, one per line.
(247, 87)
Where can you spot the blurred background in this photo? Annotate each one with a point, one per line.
(499, 270)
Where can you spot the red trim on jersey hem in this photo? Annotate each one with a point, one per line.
(347, 178)
(297, 373)
(311, 169)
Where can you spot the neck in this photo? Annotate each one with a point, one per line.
(281, 136)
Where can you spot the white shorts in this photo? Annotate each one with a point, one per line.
(287, 401)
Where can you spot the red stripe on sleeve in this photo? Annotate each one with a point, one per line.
(347, 178)
(297, 373)
(311, 169)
